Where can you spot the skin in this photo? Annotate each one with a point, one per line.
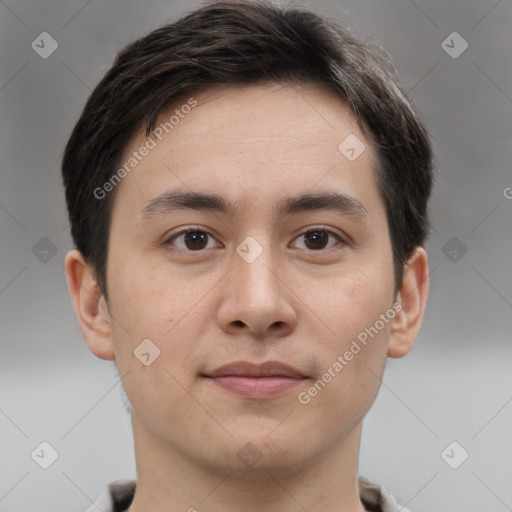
(253, 146)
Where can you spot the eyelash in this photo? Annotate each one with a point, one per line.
(339, 239)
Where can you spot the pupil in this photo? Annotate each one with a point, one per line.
(318, 239)
(196, 239)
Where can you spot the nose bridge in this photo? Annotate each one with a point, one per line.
(254, 280)
(255, 297)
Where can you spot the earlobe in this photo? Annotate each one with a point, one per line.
(413, 297)
(90, 306)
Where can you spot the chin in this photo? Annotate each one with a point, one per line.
(263, 450)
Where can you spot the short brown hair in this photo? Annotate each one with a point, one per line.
(247, 42)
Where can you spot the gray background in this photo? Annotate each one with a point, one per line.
(456, 385)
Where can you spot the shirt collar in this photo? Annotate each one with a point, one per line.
(118, 495)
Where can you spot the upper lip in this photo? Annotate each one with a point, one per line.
(248, 369)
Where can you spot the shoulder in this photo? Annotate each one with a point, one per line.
(115, 497)
(377, 497)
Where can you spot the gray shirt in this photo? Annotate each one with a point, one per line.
(118, 495)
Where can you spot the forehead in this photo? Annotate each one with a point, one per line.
(236, 141)
(278, 117)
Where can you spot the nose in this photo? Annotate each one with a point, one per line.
(256, 299)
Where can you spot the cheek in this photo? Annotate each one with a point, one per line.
(353, 349)
(150, 299)
(352, 363)
(148, 303)
(353, 302)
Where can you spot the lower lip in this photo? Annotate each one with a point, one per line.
(257, 387)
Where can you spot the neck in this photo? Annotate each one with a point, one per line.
(168, 480)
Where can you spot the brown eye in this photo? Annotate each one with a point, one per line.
(195, 240)
(318, 239)
(192, 240)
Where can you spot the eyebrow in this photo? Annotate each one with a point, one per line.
(174, 200)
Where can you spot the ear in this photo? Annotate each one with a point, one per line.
(90, 305)
(413, 298)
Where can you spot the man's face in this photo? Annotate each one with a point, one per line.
(270, 278)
